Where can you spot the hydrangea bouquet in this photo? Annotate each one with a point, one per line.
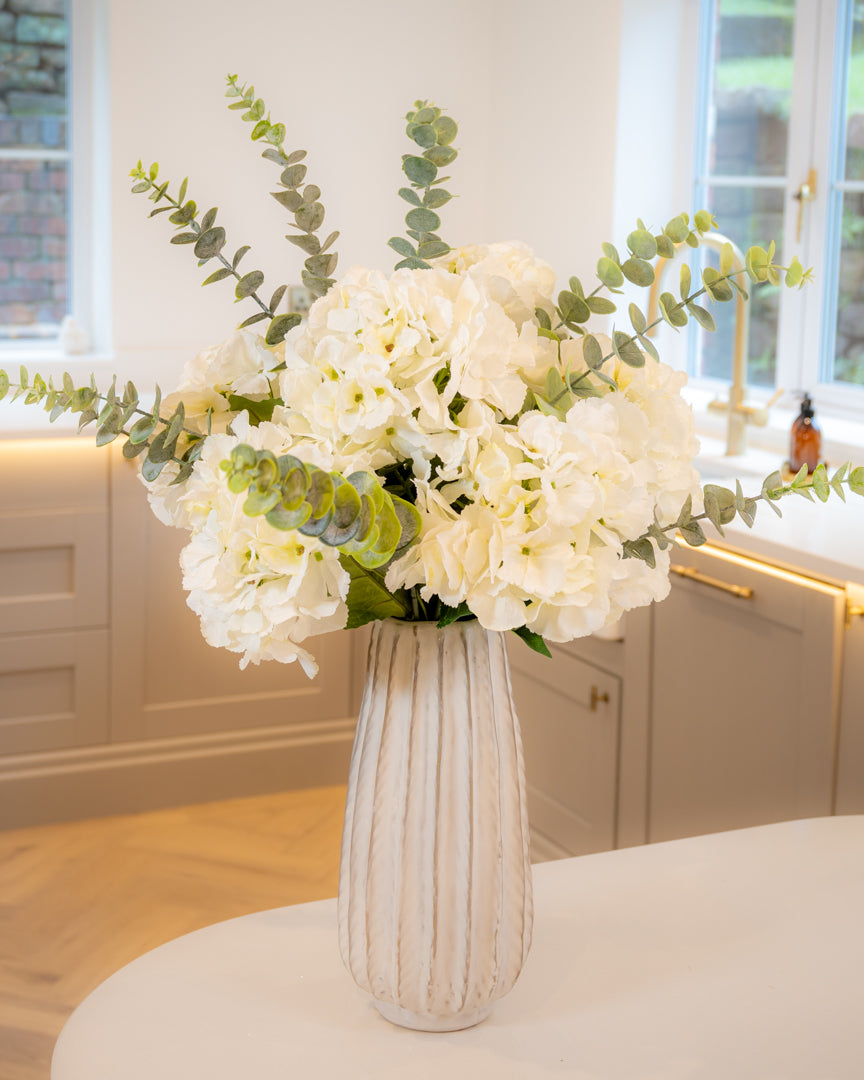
(448, 441)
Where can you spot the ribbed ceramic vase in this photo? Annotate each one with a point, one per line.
(435, 906)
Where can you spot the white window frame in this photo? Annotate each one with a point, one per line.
(89, 278)
(805, 333)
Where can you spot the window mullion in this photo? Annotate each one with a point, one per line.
(801, 345)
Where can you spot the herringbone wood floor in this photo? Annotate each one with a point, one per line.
(79, 900)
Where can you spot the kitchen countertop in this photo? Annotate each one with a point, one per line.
(735, 955)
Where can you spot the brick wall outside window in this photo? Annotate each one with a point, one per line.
(33, 190)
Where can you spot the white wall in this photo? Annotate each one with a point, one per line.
(533, 86)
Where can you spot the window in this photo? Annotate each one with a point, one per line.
(780, 154)
(48, 70)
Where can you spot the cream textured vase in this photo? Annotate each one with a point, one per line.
(435, 906)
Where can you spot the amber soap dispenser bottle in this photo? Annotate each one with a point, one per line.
(805, 442)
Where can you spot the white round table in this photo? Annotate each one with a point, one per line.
(736, 956)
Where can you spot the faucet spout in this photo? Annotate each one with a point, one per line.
(739, 414)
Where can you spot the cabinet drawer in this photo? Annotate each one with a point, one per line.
(53, 691)
(569, 715)
(53, 570)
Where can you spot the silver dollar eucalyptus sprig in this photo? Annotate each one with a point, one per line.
(368, 525)
(433, 132)
(722, 505)
(160, 438)
(575, 308)
(209, 240)
(302, 200)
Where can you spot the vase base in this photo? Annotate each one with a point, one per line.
(423, 1022)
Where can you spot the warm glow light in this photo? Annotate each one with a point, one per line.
(766, 568)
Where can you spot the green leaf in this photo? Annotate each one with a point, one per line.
(422, 220)
(642, 244)
(256, 318)
(291, 200)
(671, 310)
(637, 319)
(446, 130)
(609, 273)
(402, 246)
(434, 197)
(210, 243)
(433, 249)
(309, 217)
(627, 350)
(638, 271)
(677, 229)
(368, 597)
(592, 354)
(293, 176)
(238, 255)
(702, 316)
(573, 308)
(184, 238)
(248, 284)
(321, 265)
(411, 196)
(440, 155)
(532, 640)
(142, 430)
(307, 241)
(856, 480)
(820, 483)
(280, 326)
(218, 275)
(419, 170)
(450, 615)
(601, 305)
(276, 298)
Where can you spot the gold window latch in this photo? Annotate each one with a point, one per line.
(806, 193)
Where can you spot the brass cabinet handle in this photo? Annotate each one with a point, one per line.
(852, 611)
(597, 698)
(743, 592)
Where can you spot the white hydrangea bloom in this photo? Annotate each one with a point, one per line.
(238, 365)
(510, 273)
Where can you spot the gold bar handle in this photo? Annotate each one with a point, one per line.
(743, 592)
(852, 611)
(598, 698)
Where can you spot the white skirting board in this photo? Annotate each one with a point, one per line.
(66, 785)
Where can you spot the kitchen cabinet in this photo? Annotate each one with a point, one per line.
(54, 647)
(569, 712)
(745, 698)
(110, 700)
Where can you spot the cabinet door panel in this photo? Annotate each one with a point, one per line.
(744, 702)
(53, 691)
(166, 679)
(53, 570)
(571, 748)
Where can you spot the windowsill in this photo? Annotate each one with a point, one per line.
(842, 439)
